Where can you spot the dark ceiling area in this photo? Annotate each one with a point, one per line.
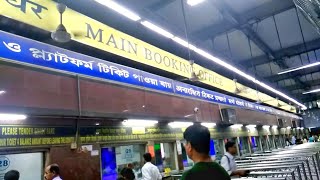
(260, 37)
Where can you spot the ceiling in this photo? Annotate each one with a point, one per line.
(261, 37)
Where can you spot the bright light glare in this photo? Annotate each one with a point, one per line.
(194, 2)
(12, 117)
(312, 91)
(289, 127)
(299, 68)
(209, 125)
(251, 126)
(184, 43)
(2, 92)
(236, 126)
(274, 126)
(139, 123)
(157, 29)
(265, 127)
(120, 9)
(133, 16)
(180, 124)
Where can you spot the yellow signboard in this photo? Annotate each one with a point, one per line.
(44, 14)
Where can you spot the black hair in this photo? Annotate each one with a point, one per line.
(127, 173)
(229, 144)
(147, 157)
(54, 168)
(199, 138)
(12, 175)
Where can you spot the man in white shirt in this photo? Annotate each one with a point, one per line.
(228, 160)
(150, 171)
(52, 172)
(293, 140)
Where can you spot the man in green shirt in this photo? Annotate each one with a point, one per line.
(197, 148)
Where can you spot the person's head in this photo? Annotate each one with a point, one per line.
(147, 157)
(231, 147)
(12, 175)
(51, 172)
(127, 174)
(197, 141)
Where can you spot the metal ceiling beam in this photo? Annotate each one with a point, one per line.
(286, 52)
(299, 86)
(268, 9)
(308, 97)
(276, 77)
(232, 17)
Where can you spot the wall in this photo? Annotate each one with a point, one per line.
(75, 165)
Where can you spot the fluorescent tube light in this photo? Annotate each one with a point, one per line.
(236, 126)
(12, 117)
(157, 29)
(209, 125)
(194, 2)
(274, 126)
(251, 126)
(184, 43)
(139, 123)
(120, 9)
(312, 91)
(299, 68)
(177, 124)
(133, 16)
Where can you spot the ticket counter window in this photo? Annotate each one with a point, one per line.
(165, 156)
(254, 144)
(264, 143)
(219, 147)
(187, 162)
(30, 165)
(114, 159)
(244, 146)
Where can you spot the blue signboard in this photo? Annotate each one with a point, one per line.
(30, 52)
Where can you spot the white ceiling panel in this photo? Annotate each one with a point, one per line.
(263, 70)
(267, 32)
(289, 30)
(293, 61)
(241, 6)
(308, 30)
(198, 17)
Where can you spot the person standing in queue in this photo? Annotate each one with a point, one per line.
(150, 171)
(197, 148)
(52, 172)
(228, 160)
(12, 175)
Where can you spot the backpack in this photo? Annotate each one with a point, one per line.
(228, 161)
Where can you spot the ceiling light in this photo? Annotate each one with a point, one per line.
(312, 91)
(139, 123)
(274, 126)
(180, 124)
(12, 117)
(194, 2)
(236, 126)
(184, 43)
(251, 126)
(157, 29)
(2, 92)
(120, 9)
(97, 124)
(209, 125)
(265, 127)
(124, 11)
(299, 68)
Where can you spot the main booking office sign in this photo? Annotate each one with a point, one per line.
(44, 14)
(32, 53)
